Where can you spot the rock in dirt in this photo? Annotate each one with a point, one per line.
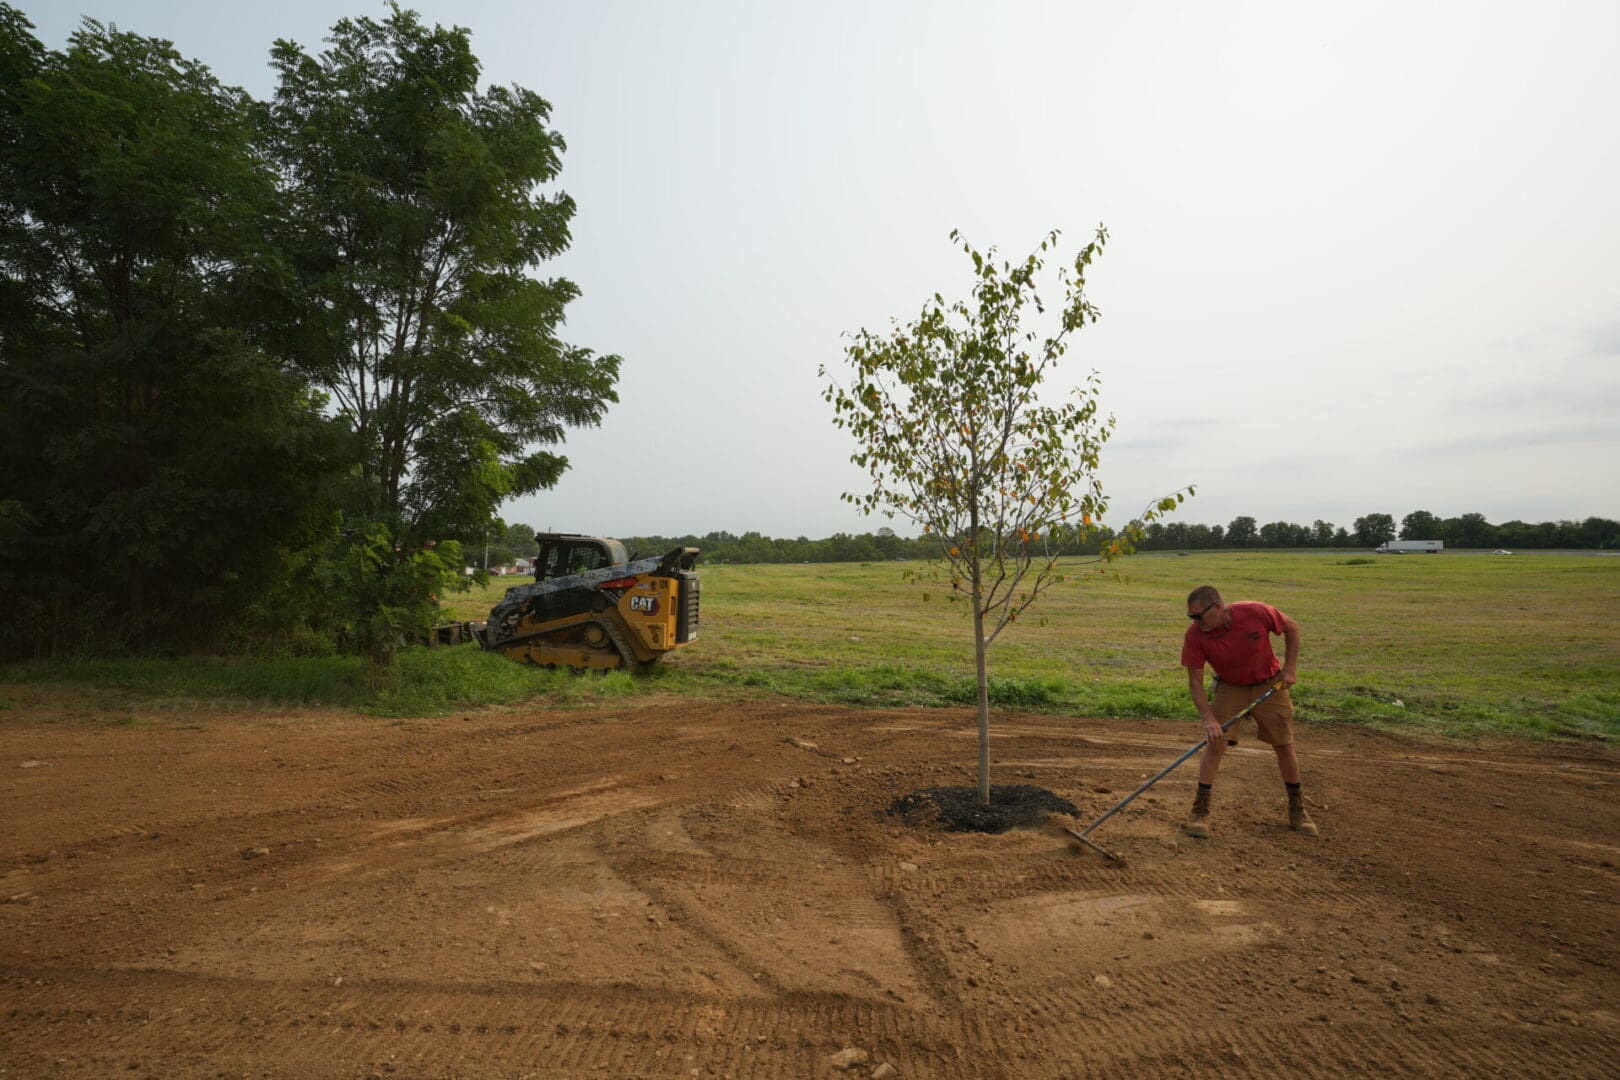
(848, 1058)
(34, 763)
(1103, 982)
(255, 852)
(883, 1071)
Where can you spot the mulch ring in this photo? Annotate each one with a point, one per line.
(957, 809)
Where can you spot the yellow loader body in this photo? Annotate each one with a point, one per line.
(613, 613)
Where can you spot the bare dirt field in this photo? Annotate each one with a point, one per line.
(682, 889)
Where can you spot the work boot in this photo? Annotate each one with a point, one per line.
(1198, 822)
(1299, 818)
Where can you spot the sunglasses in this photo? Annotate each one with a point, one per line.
(1201, 614)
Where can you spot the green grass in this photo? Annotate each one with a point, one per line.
(1457, 644)
(1452, 644)
(423, 682)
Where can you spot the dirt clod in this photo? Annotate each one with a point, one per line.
(848, 1058)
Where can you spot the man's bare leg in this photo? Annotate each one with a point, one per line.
(1287, 763)
(1299, 819)
(1208, 764)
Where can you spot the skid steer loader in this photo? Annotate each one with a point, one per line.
(590, 607)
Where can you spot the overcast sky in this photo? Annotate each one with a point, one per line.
(1363, 257)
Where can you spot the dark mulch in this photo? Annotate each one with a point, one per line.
(957, 809)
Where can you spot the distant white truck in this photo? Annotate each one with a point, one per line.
(1410, 547)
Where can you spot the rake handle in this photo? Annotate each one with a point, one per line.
(1162, 773)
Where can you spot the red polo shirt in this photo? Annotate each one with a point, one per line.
(1241, 653)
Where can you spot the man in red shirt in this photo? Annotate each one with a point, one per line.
(1235, 640)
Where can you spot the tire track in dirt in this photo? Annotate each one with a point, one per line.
(462, 754)
(403, 847)
(834, 930)
(562, 1030)
(1184, 1030)
(648, 891)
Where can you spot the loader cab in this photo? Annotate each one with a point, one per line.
(562, 554)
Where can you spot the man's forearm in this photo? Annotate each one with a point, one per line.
(1291, 650)
(1195, 687)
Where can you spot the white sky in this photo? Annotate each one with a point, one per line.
(1363, 257)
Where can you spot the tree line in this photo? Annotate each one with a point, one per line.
(266, 365)
(270, 368)
(1466, 531)
(1370, 530)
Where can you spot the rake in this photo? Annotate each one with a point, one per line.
(1082, 834)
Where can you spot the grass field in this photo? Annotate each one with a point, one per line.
(1452, 643)
(1455, 644)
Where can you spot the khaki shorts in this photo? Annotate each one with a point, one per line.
(1274, 717)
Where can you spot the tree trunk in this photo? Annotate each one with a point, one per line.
(984, 699)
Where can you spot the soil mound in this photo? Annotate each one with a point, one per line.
(957, 809)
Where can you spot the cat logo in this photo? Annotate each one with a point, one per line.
(646, 605)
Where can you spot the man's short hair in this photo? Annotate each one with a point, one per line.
(1203, 596)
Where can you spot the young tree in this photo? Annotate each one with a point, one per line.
(949, 424)
(417, 225)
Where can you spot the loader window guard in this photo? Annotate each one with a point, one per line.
(561, 558)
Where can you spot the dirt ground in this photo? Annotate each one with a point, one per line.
(685, 889)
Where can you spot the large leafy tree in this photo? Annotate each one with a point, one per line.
(155, 462)
(1374, 529)
(420, 221)
(1242, 531)
(1469, 531)
(950, 424)
(1280, 534)
(1596, 532)
(1420, 525)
